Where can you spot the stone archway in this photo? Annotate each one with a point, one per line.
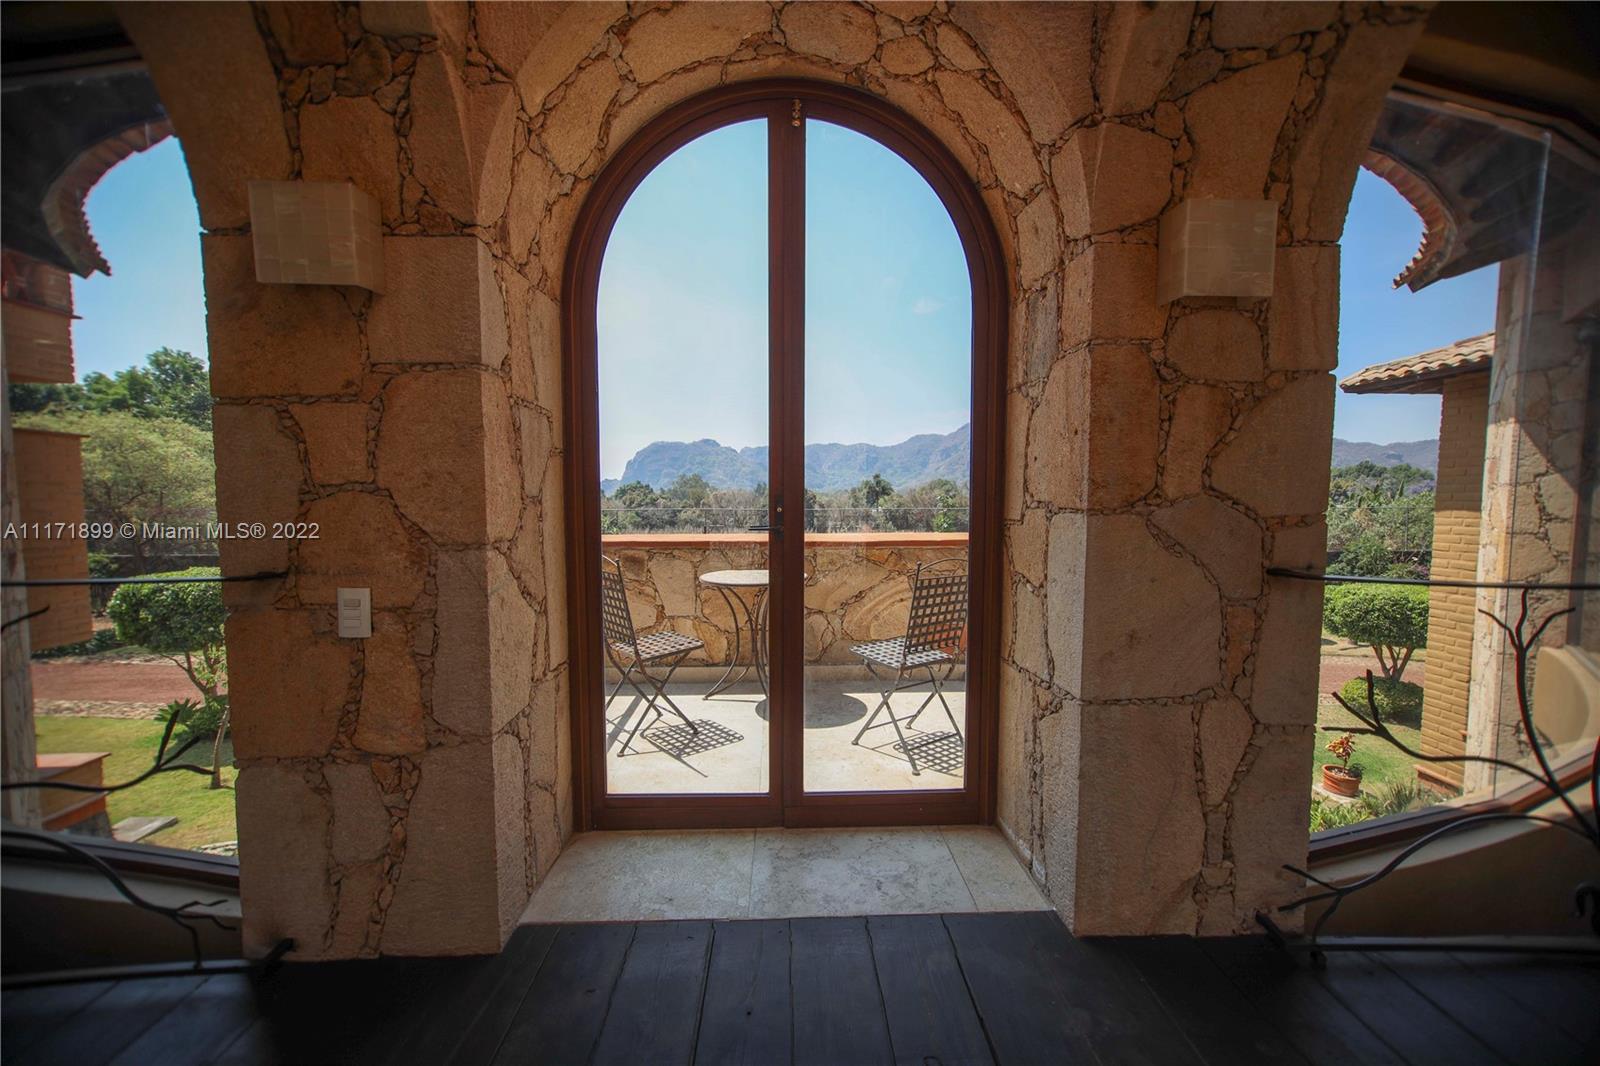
(1151, 763)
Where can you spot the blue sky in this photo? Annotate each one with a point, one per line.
(683, 296)
(143, 215)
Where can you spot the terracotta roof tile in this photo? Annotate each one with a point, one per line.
(1424, 371)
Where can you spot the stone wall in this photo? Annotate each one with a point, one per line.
(1453, 612)
(1537, 525)
(1157, 695)
(857, 588)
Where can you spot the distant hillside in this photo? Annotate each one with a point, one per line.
(912, 462)
(1419, 453)
(916, 461)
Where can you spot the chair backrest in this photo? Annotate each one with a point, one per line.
(616, 620)
(938, 610)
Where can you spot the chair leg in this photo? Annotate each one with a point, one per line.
(654, 698)
(661, 690)
(883, 704)
(938, 690)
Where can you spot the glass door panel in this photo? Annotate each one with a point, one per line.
(682, 346)
(888, 400)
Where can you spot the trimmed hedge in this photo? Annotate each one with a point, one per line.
(1399, 702)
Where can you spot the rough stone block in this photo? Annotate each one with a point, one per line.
(1227, 543)
(537, 439)
(361, 543)
(1124, 424)
(352, 139)
(1011, 152)
(1132, 175)
(1216, 345)
(1065, 603)
(1303, 317)
(512, 858)
(447, 900)
(336, 441)
(839, 33)
(258, 480)
(1240, 24)
(438, 150)
(483, 669)
(1225, 730)
(1234, 125)
(1042, 53)
(1139, 824)
(1123, 305)
(280, 814)
(1278, 463)
(1058, 438)
(1269, 828)
(445, 452)
(390, 721)
(572, 131)
(1284, 691)
(274, 340)
(666, 39)
(286, 684)
(431, 310)
(1139, 45)
(906, 56)
(1201, 415)
(1038, 244)
(1152, 623)
(360, 820)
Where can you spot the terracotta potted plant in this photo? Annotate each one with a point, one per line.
(1341, 778)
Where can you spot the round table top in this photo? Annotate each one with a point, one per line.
(737, 579)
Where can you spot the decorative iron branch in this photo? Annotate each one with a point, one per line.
(182, 915)
(165, 762)
(1586, 896)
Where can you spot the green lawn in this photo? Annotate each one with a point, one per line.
(205, 815)
(1380, 761)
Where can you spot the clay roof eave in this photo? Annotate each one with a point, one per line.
(1424, 372)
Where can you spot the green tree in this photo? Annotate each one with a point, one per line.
(182, 621)
(138, 470)
(172, 384)
(689, 490)
(1391, 619)
(871, 492)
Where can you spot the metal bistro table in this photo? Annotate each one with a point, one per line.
(729, 583)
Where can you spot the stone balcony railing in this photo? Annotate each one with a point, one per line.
(858, 585)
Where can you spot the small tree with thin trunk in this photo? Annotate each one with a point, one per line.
(1390, 619)
(184, 623)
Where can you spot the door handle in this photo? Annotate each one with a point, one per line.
(775, 528)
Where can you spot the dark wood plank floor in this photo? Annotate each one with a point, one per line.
(915, 989)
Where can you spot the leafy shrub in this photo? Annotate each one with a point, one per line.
(171, 619)
(1399, 702)
(183, 622)
(199, 719)
(1394, 798)
(1391, 619)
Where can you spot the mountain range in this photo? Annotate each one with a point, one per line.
(915, 461)
(912, 462)
(1419, 453)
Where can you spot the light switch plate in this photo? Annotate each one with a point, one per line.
(355, 613)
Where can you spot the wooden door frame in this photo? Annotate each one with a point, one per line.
(786, 103)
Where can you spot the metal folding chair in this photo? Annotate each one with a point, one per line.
(631, 653)
(935, 635)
